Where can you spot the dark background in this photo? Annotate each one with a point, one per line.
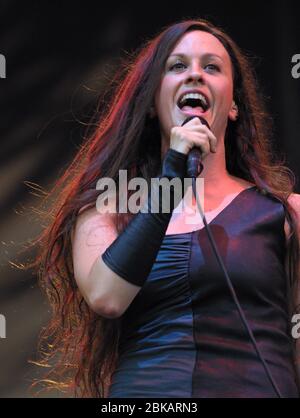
(59, 56)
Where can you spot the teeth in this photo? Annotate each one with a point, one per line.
(198, 96)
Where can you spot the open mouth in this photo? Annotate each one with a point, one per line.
(189, 101)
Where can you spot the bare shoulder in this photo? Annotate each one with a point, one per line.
(91, 234)
(294, 201)
(94, 225)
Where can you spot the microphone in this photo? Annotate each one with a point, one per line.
(194, 164)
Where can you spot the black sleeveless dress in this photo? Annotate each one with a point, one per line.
(182, 335)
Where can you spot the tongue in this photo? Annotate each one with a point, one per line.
(196, 110)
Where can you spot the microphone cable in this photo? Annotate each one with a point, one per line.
(233, 293)
(228, 280)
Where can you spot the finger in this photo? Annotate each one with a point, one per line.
(212, 140)
(196, 121)
(211, 137)
(203, 145)
(198, 126)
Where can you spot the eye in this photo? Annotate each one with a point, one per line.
(177, 66)
(212, 68)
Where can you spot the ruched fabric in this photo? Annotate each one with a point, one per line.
(182, 335)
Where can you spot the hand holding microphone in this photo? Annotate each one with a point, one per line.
(195, 138)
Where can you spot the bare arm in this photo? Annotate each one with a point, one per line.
(110, 272)
(104, 291)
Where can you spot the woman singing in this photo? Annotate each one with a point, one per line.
(141, 306)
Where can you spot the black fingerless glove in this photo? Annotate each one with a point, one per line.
(134, 251)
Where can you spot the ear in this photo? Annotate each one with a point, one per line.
(234, 112)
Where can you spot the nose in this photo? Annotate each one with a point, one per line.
(195, 74)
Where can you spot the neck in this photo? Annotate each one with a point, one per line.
(214, 174)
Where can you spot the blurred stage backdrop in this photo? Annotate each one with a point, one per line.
(59, 56)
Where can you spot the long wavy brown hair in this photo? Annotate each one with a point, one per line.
(79, 346)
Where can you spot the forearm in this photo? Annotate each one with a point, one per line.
(133, 253)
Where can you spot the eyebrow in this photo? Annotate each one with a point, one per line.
(207, 55)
